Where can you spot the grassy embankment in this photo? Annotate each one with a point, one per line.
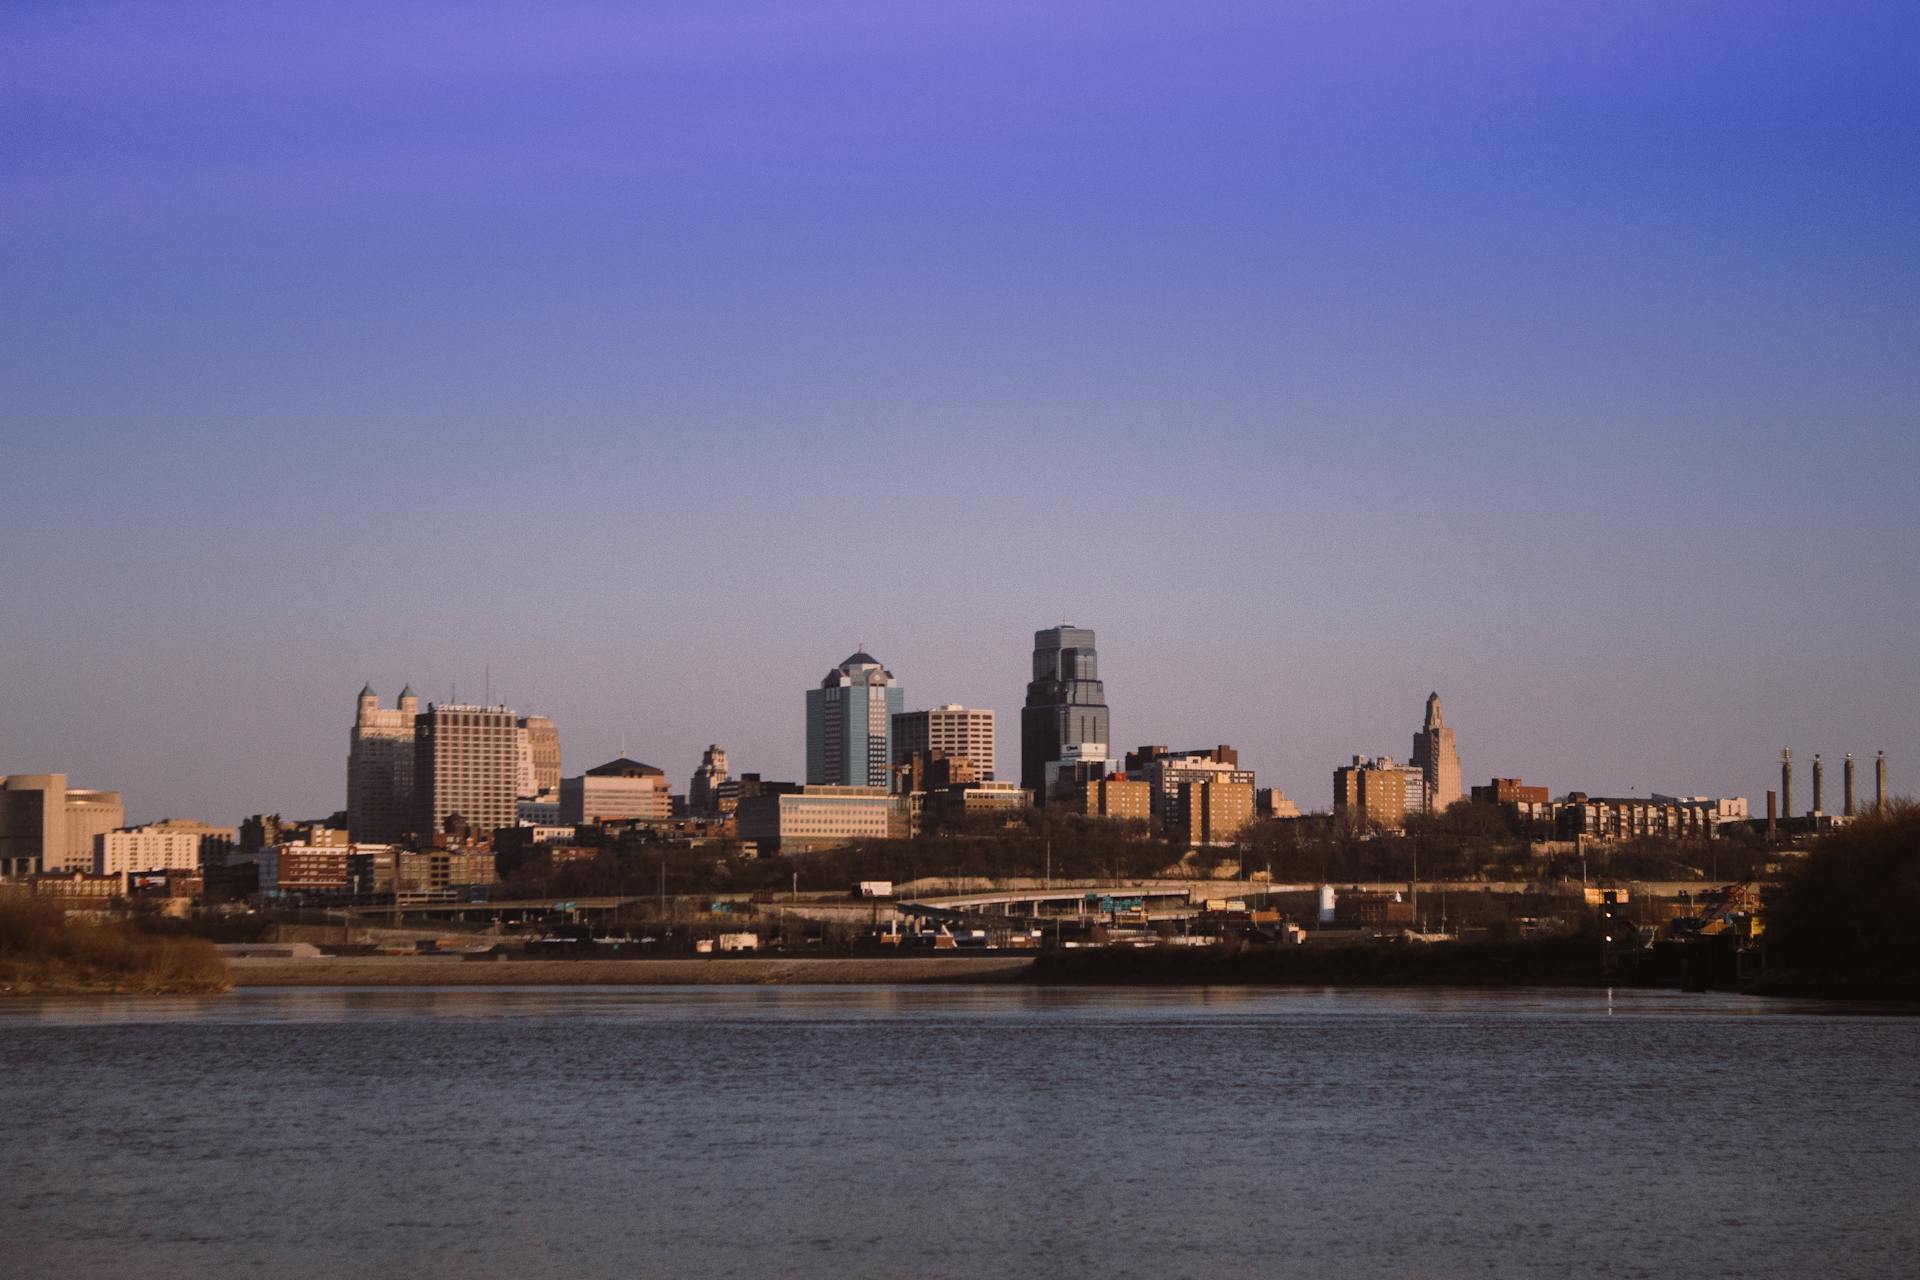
(42, 952)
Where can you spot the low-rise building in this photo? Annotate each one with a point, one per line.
(151, 848)
(1580, 816)
(1116, 796)
(287, 870)
(614, 791)
(429, 872)
(1509, 791)
(969, 799)
(1272, 802)
(77, 890)
(811, 818)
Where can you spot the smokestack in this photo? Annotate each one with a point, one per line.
(1846, 786)
(1786, 782)
(1819, 787)
(1773, 816)
(1880, 782)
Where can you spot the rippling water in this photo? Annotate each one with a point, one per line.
(955, 1132)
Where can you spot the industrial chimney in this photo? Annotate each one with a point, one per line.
(1786, 782)
(1880, 782)
(1846, 786)
(1819, 787)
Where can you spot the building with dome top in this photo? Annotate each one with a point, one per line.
(850, 724)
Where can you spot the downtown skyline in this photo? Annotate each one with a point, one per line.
(1307, 785)
(1559, 360)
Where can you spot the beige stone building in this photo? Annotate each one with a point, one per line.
(1378, 792)
(1212, 812)
(45, 825)
(1437, 759)
(816, 817)
(380, 764)
(539, 758)
(618, 791)
(1164, 771)
(149, 848)
(1272, 802)
(1115, 797)
(466, 762)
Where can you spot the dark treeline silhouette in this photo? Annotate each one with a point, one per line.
(1846, 922)
(1470, 841)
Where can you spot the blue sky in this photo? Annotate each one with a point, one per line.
(1560, 358)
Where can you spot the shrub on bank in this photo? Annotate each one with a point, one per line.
(42, 949)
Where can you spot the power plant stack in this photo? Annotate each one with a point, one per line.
(1819, 788)
(1880, 783)
(1786, 782)
(1846, 786)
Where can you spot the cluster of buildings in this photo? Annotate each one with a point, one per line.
(436, 791)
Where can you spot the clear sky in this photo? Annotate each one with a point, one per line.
(1560, 357)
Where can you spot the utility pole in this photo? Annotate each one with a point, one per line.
(1413, 886)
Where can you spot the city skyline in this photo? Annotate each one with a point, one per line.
(1556, 358)
(1309, 790)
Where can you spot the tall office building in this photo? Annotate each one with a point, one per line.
(45, 825)
(953, 730)
(850, 724)
(703, 792)
(465, 761)
(1434, 755)
(380, 768)
(1066, 705)
(538, 749)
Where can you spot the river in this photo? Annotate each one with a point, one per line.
(932, 1132)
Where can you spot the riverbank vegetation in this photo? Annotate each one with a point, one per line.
(1847, 921)
(43, 951)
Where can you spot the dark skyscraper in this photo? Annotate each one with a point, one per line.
(1066, 704)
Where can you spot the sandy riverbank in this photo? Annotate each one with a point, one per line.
(444, 971)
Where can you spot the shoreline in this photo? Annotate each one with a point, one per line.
(447, 971)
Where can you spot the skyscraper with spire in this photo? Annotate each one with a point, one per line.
(1435, 756)
(1066, 710)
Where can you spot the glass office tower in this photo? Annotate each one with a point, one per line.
(1066, 704)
